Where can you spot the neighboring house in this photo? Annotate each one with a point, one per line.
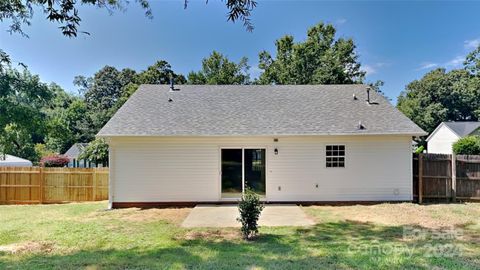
(446, 134)
(295, 143)
(74, 152)
(13, 161)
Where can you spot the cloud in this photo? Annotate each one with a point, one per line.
(341, 21)
(455, 62)
(471, 43)
(369, 69)
(373, 68)
(427, 65)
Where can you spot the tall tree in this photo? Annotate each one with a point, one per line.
(23, 101)
(442, 96)
(217, 69)
(109, 88)
(320, 59)
(159, 73)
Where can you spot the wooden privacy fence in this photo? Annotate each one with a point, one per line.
(446, 177)
(28, 185)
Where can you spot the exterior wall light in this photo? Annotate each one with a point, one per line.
(275, 151)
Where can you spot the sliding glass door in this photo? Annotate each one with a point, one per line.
(232, 178)
(243, 167)
(254, 170)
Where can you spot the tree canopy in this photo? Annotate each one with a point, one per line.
(23, 103)
(320, 59)
(442, 95)
(218, 69)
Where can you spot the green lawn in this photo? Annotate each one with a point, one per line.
(84, 236)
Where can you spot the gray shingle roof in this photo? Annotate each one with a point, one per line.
(75, 150)
(463, 129)
(256, 110)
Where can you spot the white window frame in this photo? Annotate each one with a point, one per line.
(338, 162)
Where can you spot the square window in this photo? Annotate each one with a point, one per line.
(335, 156)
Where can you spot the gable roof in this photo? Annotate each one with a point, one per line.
(75, 150)
(256, 110)
(461, 129)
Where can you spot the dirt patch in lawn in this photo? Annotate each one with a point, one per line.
(212, 235)
(429, 216)
(28, 247)
(170, 215)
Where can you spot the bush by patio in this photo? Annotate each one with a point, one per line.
(250, 208)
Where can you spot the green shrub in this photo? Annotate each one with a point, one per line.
(250, 208)
(469, 145)
(96, 152)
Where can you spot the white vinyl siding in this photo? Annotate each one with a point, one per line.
(154, 169)
(441, 141)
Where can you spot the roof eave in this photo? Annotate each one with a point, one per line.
(412, 134)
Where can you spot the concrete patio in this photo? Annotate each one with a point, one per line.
(226, 216)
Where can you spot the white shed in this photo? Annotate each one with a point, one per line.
(446, 134)
(13, 161)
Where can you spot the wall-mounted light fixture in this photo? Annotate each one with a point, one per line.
(275, 151)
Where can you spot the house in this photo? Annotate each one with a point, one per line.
(13, 161)
(446, 134)
(74, 152)
(295, 143)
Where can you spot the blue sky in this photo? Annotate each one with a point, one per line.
(398, 41)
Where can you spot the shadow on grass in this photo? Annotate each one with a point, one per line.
(326, 245)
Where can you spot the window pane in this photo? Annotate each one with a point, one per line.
(341, 147)
(341, 164)
(329, 147)
(329, 153)
(341, 153)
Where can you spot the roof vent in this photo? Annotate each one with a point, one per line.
(360, 126)
(354, 96)
(172, 84)
(170, 100)
(368, 94)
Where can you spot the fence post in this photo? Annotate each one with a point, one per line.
(420, 178)
(40, 186)
(454, 177)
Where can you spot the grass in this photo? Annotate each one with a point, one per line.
(84, 236)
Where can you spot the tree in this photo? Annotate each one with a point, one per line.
(159, 73)
(109, 88)
(96, 152)
(320, 59)
(23, 104)
(217, 69)
(441, 96)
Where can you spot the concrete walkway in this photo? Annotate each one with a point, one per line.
(226, 216)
